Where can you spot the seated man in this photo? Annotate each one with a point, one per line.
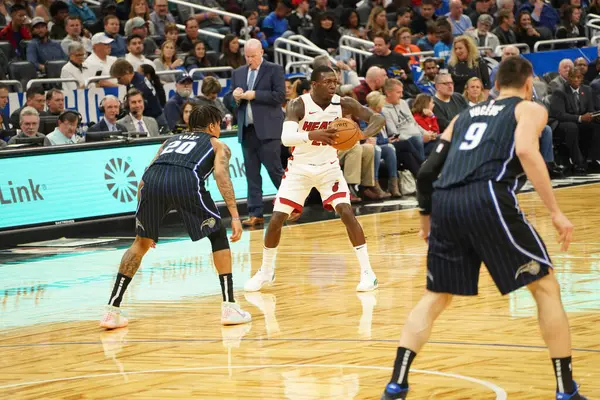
(572, 106)
(139, 27)
(16, 30)
(111, 107)
(55, 101)
(68, 122)
(41, 49)
(136, 57)
(74, 27)
(183, 91)
(359, 170)
(78, 7)
(75, 69)
(135, 121)
(30, 123)
(447, 103)
(34, 97)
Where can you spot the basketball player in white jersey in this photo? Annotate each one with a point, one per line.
(314, 163)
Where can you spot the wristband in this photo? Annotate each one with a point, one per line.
(236, 219)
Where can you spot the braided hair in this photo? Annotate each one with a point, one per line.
(201, 117)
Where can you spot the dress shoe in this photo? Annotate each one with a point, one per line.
(371, 194)
(556, 171)
(253, 221)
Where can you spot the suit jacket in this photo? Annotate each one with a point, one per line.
(102, 127)
(563, 107)
(130, 126)
(556, 84)
(267, 114)
(595, 85)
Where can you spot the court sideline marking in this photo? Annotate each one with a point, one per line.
(500, 393)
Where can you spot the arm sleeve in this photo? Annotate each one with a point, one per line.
(428, 173)
(291, 136)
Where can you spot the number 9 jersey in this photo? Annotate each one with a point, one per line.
(483, 146)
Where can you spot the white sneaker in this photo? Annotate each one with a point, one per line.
(260, 279)
(232, 314)
(368, 282)
(113, 318)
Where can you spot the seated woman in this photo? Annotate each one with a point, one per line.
(422, 110)
(184, 122)
(466, 63)
(326, 34)
(197, 59)
(528, 33)
(570, 27)
(404, 46)
(473, 92)
(230, 53)
(168, 61)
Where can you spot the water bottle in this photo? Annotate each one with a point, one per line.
(228, 122)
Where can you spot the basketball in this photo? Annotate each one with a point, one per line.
(348, 133)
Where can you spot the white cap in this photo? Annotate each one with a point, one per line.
(101, 38)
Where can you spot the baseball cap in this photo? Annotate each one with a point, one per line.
(38, 20)
(185, 78)
(101, 38)
(137, 22)
(486, 19)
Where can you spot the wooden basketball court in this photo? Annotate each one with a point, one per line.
(312, 337)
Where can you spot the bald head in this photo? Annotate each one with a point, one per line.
(456, 8)
(564, 67)
(510, 51)
(253, 52)
(375, 77)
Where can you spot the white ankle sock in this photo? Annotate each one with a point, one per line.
(363, 258)
(268, 261)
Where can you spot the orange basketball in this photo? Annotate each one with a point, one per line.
(348, 133)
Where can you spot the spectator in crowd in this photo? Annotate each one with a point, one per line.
(111, 29)
(186, 110)
(374, 80)
(139, 27)
(191, 35)
(64, 133)
(482, 35)
(172, 34)
(35, 98)
(41, 49)
(543, 14)
(73, 27)
(358, 167)
(42, 10)
(59, 11)
(395, 65)
(582, 65)
(135, 56)
(447, 103)
(4, 13)
(346, 73)
(571, 27)
(99, 62)
(422, 110)
(4, 117)
(16, 30)
(107, 7)
(403, 19)
(139, 9)
(466, 63)
(426, 16)
(258, 92)
(299, 20)
(55, 102)
(150, 74)
(400, 122)
(564, 67)
(365, 9)
(377, 23)
(505, 29)
(211, 21)
(183, 92)
(30, 124)
(75, 69)
(460, 22)
(161, 16)
(126, 75)
(442, 7)
(110, 106)
(384, 150)
(209, 92)
(197, 57)
(443, 47)
(80, 8)
(572, 107)
(595, 85)
(326, 34)
(427, 81)
(350, 24)
(473, 92)
(527, 33)
(404, 46)
(230, 54)
(168, 61)
(508, 51)
(136, 120)
(252, 29)
(428, 42)
(276, 23)
(482, 7)
(320, 6)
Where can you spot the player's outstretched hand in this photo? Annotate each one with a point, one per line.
(425, 225)
(564, 228)
(236, 230)
(326, 136)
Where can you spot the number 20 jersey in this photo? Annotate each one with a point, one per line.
(483, 146)
(316, 118)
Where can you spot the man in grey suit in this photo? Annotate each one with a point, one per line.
(559, 82)
(135, 120)
(258, 94)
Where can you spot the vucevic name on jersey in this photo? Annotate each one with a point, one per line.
(316, 118)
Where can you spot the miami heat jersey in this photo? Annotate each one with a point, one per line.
(316, 118)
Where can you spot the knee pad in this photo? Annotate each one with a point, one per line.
(218, 239)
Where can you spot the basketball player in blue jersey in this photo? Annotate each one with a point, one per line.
(175, 181)
(474, 217)
(314, 163)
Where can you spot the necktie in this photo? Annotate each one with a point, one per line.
(577, 103)
(251, 79)
(249, 116)
(141, 126)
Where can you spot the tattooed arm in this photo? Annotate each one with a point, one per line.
(222, 156)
